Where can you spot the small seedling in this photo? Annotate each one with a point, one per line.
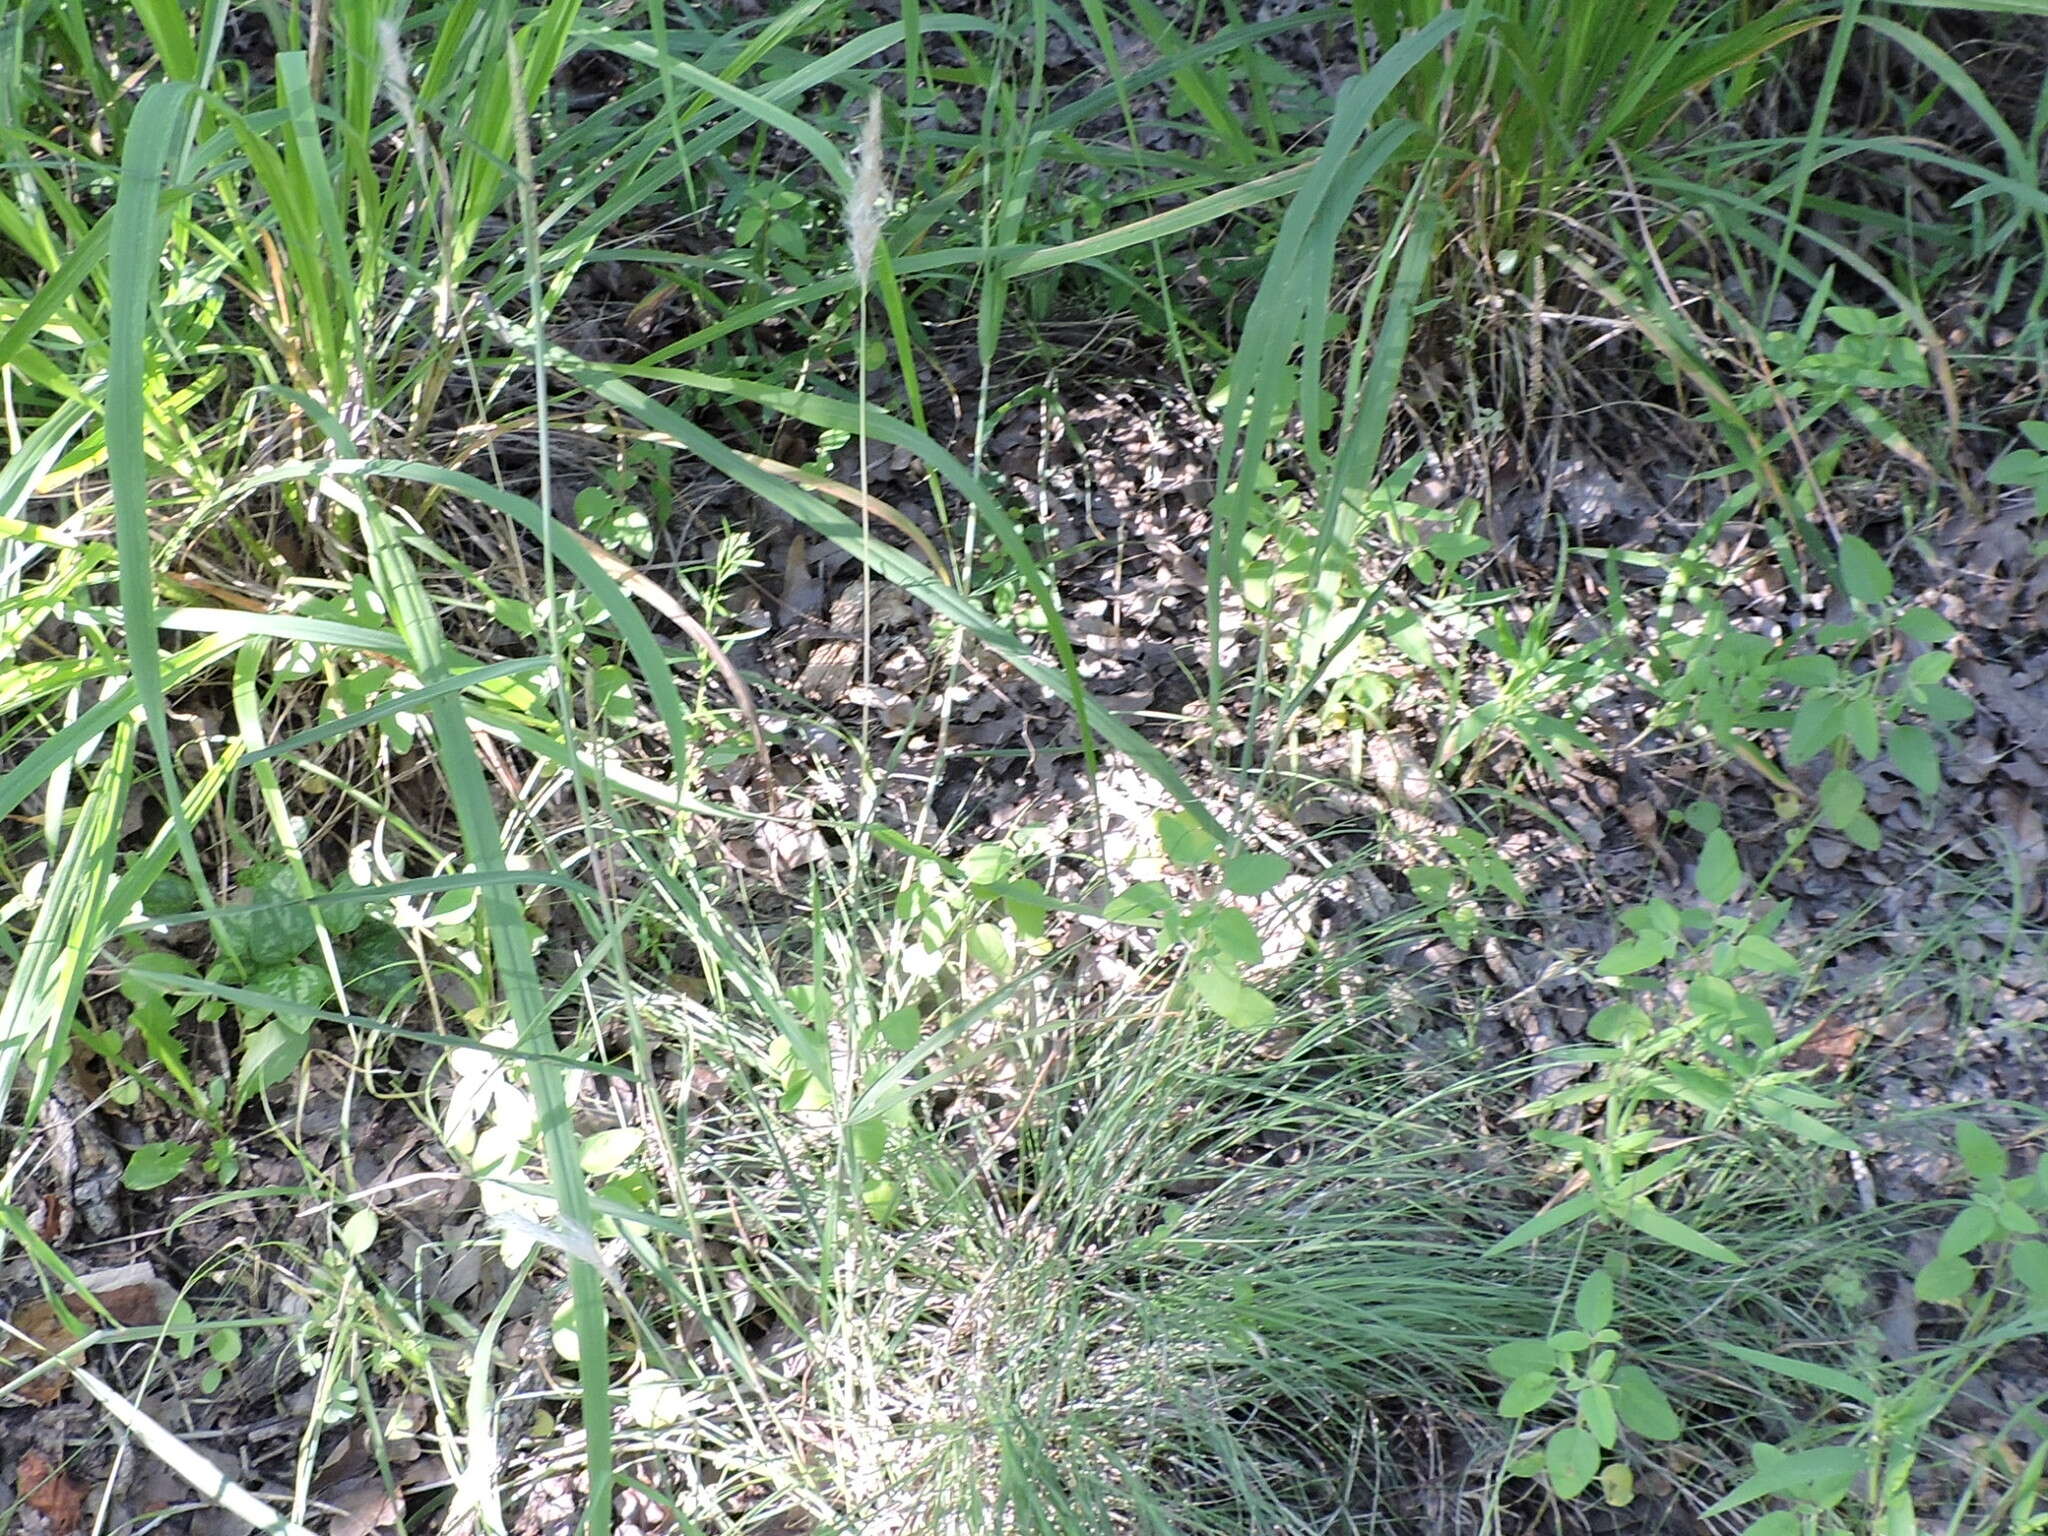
(1582, 1364)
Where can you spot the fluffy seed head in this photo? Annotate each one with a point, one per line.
(864, 200)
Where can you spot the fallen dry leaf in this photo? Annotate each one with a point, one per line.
(132, 1295)
(44, 1488)
(361, 1507)
(1831, 1047)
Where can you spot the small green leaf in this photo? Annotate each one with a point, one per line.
(1779, 1522)
(359, 1231)
(901, 1028)
(1925, 625)
(1525, 1394)
(1254, 874)
(1618, 1484)
(1943, 1280)
(1519, 1357)
(1572, 1459)
(1761, 954)
(155, 1165)
(1651, 1222)
(379, 965)
(1862, 830)
(1594, 1307)
(1841, 796)
(1637, 954)
(1980, 1151)
(270, 920)
(269, 1054)
(1569, 1341)
(1642, 1405)
(1617, 1021)
(168, 895)
(1656, 916)
(1973, 1226)
(1433, 885)
(989, 946)
(1184, 840)
(1912, 752)
(1865, 576)
(293, 991)
(1947, 705)
(1719, 875)
(2018, 466)
(1596, 1407)
(2030, 1267)
(1233, 935)
(1241, 1006)
(606, 1152)
(1142, 904)
(1925, 670)
(1807, 671)
(1815, 725)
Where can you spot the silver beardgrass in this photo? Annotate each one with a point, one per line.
(864, 199)
(397, 77)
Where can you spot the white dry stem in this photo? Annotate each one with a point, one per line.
(864, 200)
(397, 78)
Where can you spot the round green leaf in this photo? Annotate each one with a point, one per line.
(1947, 704)
(1617, 1021)
(1242, 1006)
(1761, 954)
(359, 1231)
(1642, 1405)
(1520, 1357)
(1865, 576)
(1973, 1225)
(1815, 724)
(1572, 1459)
(1234, 936)
(1841, 796)
(606, 1152)
(379, 964)
(1944, 1279)
(1912, 753)
(155, 1165)
(1980, 1151)
(1637, 954)
(2030, 1267)
(1253, 874)
(268, 1056)
(1719, 875)
(1525, 1394)
(1594, 1308)
(989, 946)
(1184, 840)
(1925, 625)
(270, 921)
(1618, 1484)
